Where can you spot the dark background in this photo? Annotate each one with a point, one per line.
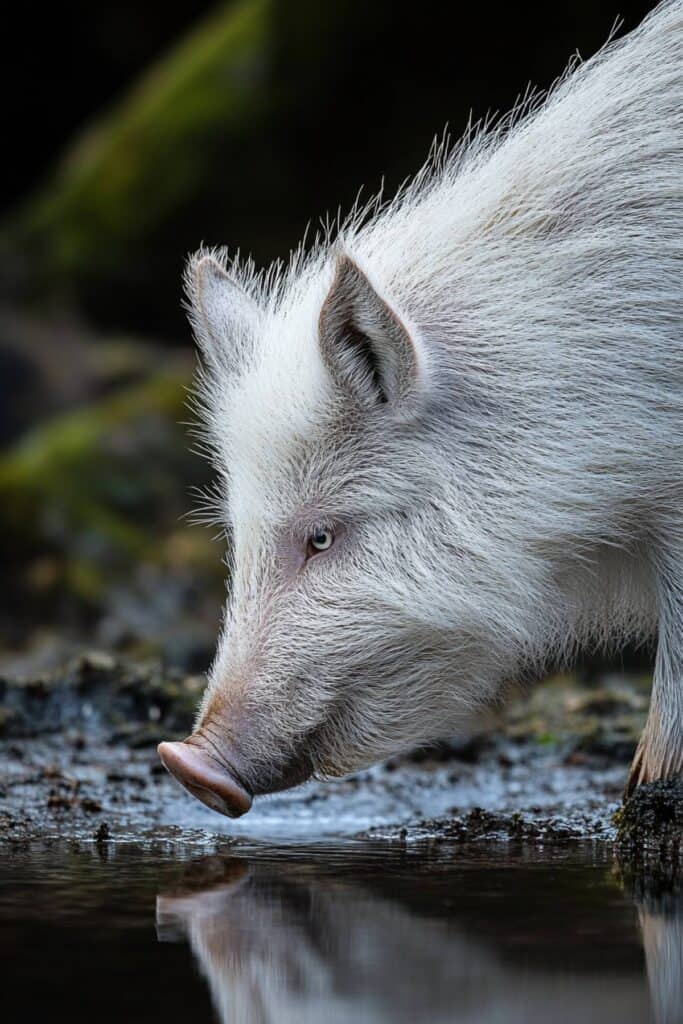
(132, 133)
(353, 92)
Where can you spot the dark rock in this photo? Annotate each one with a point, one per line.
(102, 833)
(649, 843)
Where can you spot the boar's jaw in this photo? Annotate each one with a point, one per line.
(292, 774)
(205, 777)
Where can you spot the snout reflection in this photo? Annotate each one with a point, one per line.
(303, 941)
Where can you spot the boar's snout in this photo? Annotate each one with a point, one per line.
(205, 777)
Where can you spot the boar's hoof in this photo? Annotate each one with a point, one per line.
(205, 778)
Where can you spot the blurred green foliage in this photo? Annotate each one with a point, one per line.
(132, 169)
(71, 466)
(93, 500)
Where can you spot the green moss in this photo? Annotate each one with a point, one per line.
(66, 476)
(133, 166)
(58, 443)
(92, 500)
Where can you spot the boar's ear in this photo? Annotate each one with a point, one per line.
(222, 314)
(364, 344)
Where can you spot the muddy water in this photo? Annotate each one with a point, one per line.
(332, 933)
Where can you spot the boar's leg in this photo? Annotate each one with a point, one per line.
(660, 751)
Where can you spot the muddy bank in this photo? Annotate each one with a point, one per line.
(78, 756)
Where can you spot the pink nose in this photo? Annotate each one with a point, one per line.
(205, 778)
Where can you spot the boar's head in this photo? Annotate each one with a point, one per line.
(364, 614)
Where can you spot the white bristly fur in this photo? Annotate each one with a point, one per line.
(527, 502)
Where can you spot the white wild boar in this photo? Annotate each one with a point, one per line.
(450, 440)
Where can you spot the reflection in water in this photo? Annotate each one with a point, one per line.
(661, 924)
(296, 942)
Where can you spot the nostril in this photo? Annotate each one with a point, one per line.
(205, 779)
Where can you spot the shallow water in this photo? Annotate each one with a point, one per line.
(333, 933)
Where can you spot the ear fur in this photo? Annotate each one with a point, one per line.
(221, 313)
(364, 343)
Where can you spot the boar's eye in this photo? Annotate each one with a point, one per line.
(320, 540)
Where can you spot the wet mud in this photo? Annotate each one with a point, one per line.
(77, 749)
